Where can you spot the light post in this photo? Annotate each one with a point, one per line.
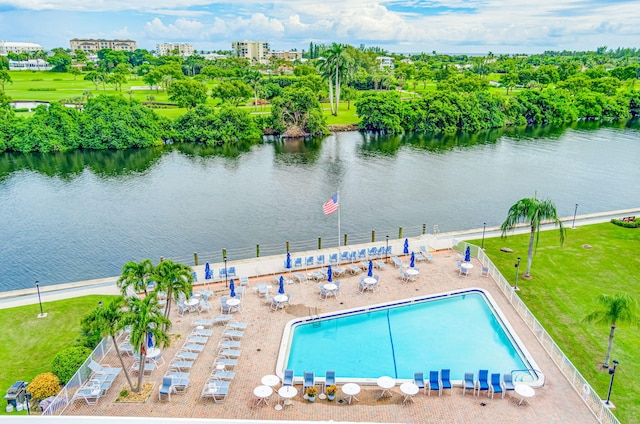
(386, 251)
(575, 211)
(27, 398)
(484, 226)
(612, 372)
(41, 314)
(517, 274)
(225, 270)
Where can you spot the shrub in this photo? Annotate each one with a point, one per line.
(44, 385)
(41, 89)
(626, 224)
(67, 361)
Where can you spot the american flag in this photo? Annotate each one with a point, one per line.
(331, 205)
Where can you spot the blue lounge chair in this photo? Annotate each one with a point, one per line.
(309, 262)
(329, 379)
(231, 271)
(309, 381)
(468, 383)
(482, 383)
(372, 253)
(297, 263)
(166, 388)
(320, 260)
(397, 262)
(507, 379)
(434, 382)
(287, 380)
(333, 258)
(496, 385)
(418, 380)
(445, 380)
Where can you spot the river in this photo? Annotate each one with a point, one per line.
(82, 215)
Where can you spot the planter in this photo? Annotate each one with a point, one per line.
(331, 397)
(311, 398)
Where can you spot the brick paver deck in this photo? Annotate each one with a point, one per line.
(556, 402)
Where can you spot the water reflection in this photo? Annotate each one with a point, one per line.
(297, 150)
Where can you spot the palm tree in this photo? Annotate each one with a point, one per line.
(535, 212)
(252, 78)
(145, 316)
(334, 68)
(136, 275)
(174, 279)
(617, 308)
(107, 320)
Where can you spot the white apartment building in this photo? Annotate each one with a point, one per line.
(183, 49)
(385, 62)
(17, 47)
(258, 51)
(88, 45)
(287, 55)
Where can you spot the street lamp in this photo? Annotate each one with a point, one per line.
(386, 259)
(517, 273)
(41, 314)
(27, 398)
(575, 211)
(484, 226)
(612, 372)
(225, 270)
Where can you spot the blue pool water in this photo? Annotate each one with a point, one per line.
(460, 332)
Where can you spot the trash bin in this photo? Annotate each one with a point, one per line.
(16, 393)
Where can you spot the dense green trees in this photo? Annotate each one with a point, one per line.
(188, 93)
(207, 125)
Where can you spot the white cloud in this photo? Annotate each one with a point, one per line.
(181, 29)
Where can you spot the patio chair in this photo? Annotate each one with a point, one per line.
(372, 253)
(418, 380)
(309, 262)
(90, 393)
(222, 272)
(362, 254)
(228, 343)
(180, 365)
(198, 339)
(148, 368)
(379, 264)
(180, 385)
(221, 319)
(354, 269)
(496, 385)
(231, 271)
(344, 257)
(507, 379)
(362, 285)
(244, 281)
(468, 384)
(309, 381)
(297, 263)
(333, 258)
(204, 306)
(182, 308)
(329, 379)
(445, 380)
(202, 323)
(224, 308)
(397, 262)
(99, 369)
(229, 353)
(484, 271)
(193, 347)
(237, 325)
(404, 276)
(482, 383)
(166, 388)
(205, 332)
(223, 375)
(227, 362)
(320, 260)
(287, 380)
(216, 389)
(324, 293)
(300, 277)
(434, 382)
(233, 334)
(187, 355)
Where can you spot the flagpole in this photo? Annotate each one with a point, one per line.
(339, 234)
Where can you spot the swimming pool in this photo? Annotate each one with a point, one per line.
(463, 331)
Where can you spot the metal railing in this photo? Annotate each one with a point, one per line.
(62, 400)
(577, 381)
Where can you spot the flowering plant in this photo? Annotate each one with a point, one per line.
(331, 390)
(311, 391)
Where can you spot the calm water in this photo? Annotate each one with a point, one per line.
(82, 215)
(397, 342)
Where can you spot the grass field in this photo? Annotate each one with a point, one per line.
(566, 283)
(28, 344)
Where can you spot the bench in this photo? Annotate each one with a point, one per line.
(629, 219)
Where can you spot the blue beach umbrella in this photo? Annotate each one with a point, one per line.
(329, 274)
(467, 254)
(232, 288)
(207, 271)
(149, 339)
(287, 263)
(281, 288)
(412, 262)
(370, 271)
(406, 246)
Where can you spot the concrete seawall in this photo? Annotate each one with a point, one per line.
(271, 265)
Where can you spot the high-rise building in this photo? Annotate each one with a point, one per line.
(17, 47)
(258, 51)
(94, 45)
(182, 49)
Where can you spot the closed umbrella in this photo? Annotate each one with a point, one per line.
(412, 262)
(406, 246)
(329, 274)
(207, 271)
(149, 339)
(281, 289)
(232, 288)
(370, 271)
(287, 263)
(467, 254)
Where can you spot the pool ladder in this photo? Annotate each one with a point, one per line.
(314, 313)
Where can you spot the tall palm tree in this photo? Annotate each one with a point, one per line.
(252, 78)
(136, 275)
(614, 309)
(334, 68)
(174, 279)
(108, 321)
(535, 212)
(145, 316)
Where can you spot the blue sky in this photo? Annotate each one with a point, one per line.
(445, 26)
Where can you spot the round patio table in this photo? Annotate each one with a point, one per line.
(351, 390)
(386, 384)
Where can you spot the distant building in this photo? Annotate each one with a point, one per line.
(17, 47)
(94, 45)
(182, 49)
(385, 62)
(256, 51)
(214, 56)
(29, 65)
(287, 55)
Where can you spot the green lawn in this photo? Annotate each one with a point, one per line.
(566, 282)
(28, 344)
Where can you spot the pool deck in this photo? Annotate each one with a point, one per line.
(555, 402)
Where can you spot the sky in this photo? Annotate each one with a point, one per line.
(400, 26)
